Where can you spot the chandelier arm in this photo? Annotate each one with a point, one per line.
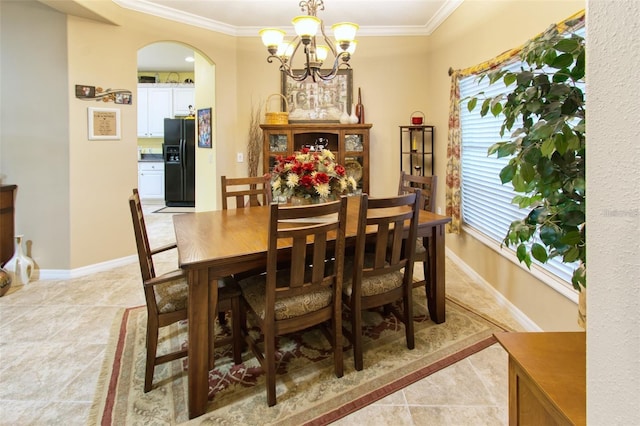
(334, 70)
(270, 59)
(295, 77)
(327, 40)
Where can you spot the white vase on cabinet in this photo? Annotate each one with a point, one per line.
(353, 118)
(20, 266)
(344, 117)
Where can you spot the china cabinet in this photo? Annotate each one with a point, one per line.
(7, 209)
(416, 150)
(349, 143)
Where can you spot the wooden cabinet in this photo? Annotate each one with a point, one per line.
(416, 150)
(349, 143)
(159, 101)
(154, 105)
(547, 377)
(182, 98)
(151, 180)
(7, 226)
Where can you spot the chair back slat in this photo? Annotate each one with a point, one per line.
(247, 191)
(427, 185)
(307, 229)
(142, 241)
(391, 251)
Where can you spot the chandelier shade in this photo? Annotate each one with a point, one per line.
(315, 47)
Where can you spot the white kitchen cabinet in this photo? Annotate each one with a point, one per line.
(182, 98)
(151, 180)
(154, 105)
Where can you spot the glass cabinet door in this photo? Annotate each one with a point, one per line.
(278, 143)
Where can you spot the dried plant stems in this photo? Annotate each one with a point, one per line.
(254, 144)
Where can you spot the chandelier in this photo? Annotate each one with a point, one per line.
(315, 52)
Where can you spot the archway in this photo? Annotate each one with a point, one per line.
(167, 85)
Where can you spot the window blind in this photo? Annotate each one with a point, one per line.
(486, 202)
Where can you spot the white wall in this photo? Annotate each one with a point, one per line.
(613, 212)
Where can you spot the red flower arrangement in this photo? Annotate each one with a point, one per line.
(310, 174)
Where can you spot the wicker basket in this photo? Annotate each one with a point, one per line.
(276, 117)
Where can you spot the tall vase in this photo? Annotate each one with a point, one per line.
(360, 108)
(20, 266)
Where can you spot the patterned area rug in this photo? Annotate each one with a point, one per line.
(307, 390)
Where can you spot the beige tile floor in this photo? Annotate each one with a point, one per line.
(53, 336)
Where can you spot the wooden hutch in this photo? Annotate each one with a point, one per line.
(349, 143)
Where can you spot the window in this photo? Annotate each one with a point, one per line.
(486, 202)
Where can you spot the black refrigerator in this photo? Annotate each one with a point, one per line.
(179, 151)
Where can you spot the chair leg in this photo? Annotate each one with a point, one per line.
(152, 347)
(270, 363)
(356, 331)
(236, 327)
(338, 361)
(408, 316)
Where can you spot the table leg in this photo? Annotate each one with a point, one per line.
(436, 282)
(198, 371)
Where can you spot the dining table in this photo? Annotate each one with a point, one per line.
(215, 244)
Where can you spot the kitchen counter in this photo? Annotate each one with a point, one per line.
(150, 158)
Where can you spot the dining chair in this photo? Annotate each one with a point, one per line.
(380, 272)
(307, 292)
(427, 186)
(166, 298)
(247, 191)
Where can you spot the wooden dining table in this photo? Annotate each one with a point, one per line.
(214, 244)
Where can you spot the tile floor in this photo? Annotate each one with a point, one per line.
(53, 336)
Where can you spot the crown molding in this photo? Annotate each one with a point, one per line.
(160, 11)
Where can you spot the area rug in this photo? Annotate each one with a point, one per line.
(176, 210)
(307, 390)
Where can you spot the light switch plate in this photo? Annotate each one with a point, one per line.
(240, 157)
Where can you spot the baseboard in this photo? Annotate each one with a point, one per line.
(522, 319)
(66, 274)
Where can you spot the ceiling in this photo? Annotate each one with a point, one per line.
(244, 18)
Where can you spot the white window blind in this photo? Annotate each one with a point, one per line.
(486, 202)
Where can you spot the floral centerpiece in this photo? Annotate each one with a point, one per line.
(310, 175)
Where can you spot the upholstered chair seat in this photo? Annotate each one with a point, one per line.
(285, 308)
(370, 285)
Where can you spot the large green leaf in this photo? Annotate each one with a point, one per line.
(567, 45)
(506, 174)
(485, 107)
(527, 171)
(547, 147)
(548, 234)
(539, 252)
(472, 104)
(573, 218)
(509, 79)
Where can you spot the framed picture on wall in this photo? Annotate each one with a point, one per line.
(318, 101)
(103, 123)
(83, 91)
(204, 128)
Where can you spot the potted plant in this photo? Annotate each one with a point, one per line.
(545, 115)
